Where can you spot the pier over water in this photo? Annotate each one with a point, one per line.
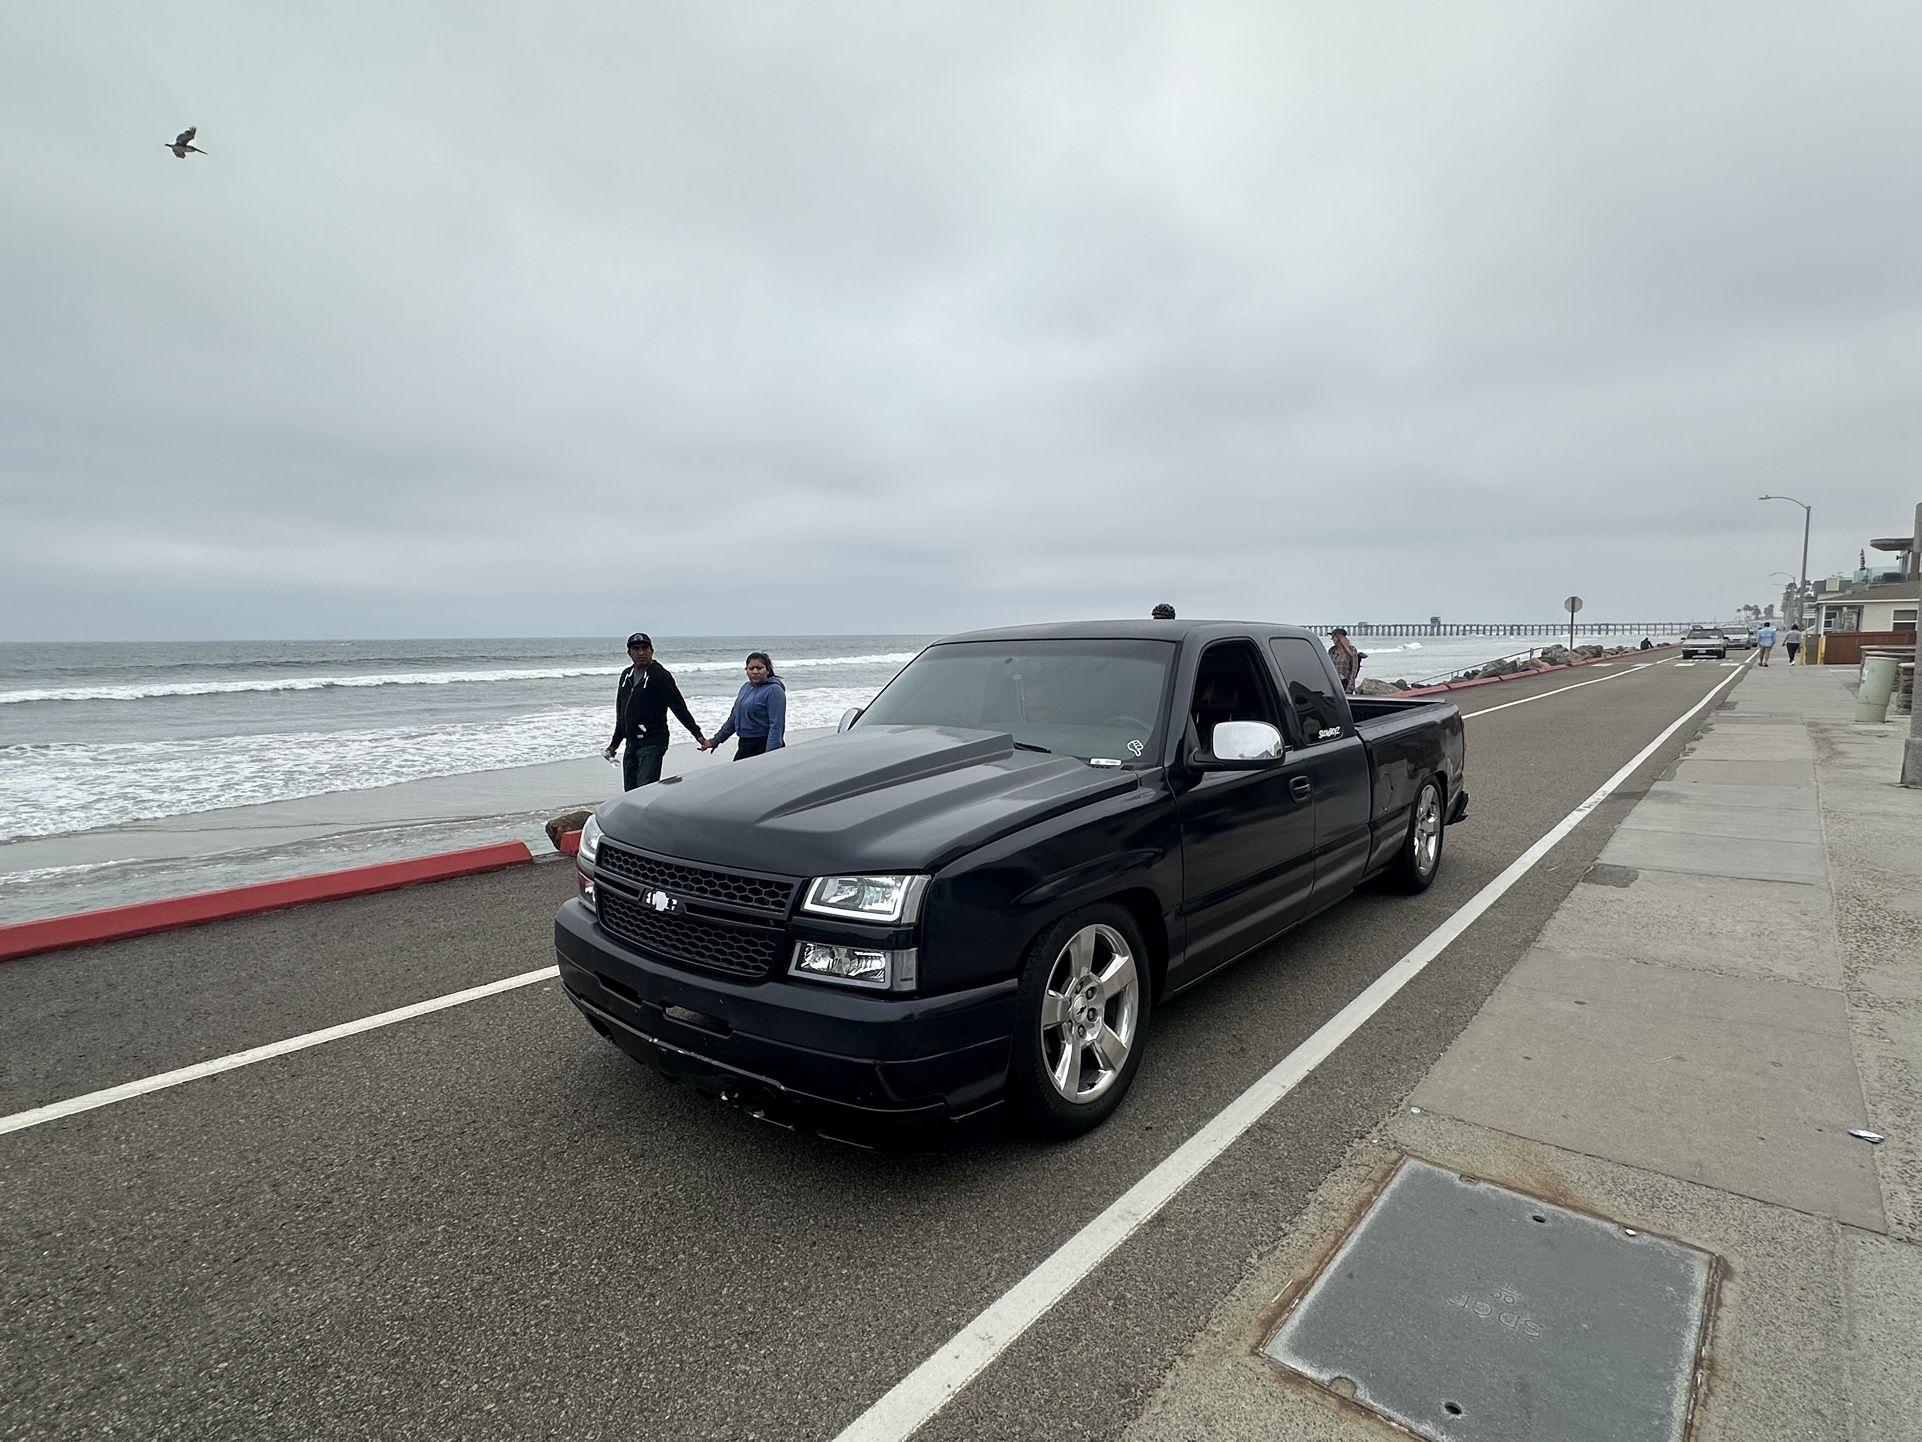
(1508, 628)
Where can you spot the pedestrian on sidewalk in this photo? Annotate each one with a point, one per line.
(1765, 640)
(646, 694)
(759, 716)
(1346, 658)
(1792, 642)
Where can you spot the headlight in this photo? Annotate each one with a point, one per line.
(590, 841)
(855, 965)
(892, 899)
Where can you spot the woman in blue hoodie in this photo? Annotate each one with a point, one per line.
(759, 716)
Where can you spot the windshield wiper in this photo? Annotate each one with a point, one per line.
(1030, 746)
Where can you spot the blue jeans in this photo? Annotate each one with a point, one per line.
(641, 764)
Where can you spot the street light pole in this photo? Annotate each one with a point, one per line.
(1912, 748)
(1808, 513)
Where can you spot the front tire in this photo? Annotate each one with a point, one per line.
(1415, 865)
(1081, 1022)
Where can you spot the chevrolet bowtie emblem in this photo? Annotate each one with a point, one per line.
(659, 900)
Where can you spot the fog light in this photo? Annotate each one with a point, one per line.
(855, 965)
(587, 891)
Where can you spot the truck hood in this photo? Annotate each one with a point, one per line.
(872, 799)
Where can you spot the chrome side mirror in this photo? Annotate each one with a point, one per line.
(848, 718)
(1246, 741)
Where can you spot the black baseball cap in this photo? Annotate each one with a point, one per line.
(640, 638)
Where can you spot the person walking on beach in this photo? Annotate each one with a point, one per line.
(1765, 641)
(1792, 642)
(646, 694)
(759, 716)
(1346, 658)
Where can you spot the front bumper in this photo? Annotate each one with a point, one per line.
(859, 1067)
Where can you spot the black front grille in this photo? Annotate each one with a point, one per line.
(736, 950)
(757, 892)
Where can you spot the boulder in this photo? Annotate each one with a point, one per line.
(1372, 687)
(1589, 653)
(561, 825)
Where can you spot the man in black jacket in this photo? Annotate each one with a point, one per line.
(641, 702)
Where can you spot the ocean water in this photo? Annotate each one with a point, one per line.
(105, 745)
(100, 734)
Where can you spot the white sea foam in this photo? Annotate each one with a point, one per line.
(67, 787)
(145, 690)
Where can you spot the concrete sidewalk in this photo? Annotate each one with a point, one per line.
(1733, 988)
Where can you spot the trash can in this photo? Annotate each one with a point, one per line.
(1903, 701)
(1878, 683)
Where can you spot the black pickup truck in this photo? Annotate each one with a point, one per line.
(978, 892)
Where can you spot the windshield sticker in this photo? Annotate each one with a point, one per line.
(1102, 761)
(1328, 731)
(1135, 748)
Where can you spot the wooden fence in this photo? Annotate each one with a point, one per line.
(1844, 648)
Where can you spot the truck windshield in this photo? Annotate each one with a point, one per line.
(1095, 699)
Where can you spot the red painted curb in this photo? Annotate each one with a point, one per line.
(1524, 675)
(570, 843)
(117, 922)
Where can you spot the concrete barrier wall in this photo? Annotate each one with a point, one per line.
(116, 922)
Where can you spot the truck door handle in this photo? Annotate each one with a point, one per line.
(1302, 787)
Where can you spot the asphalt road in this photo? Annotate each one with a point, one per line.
(486, 1222)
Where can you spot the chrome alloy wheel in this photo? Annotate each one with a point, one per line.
(1428, 830)
(1090, 1009)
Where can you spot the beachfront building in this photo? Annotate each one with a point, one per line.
(1879, 597)
(1875, 605)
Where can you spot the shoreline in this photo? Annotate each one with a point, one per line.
(43, 877)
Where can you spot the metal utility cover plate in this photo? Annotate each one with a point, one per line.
(1469, 1312)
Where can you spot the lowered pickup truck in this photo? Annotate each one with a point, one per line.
(977, 893)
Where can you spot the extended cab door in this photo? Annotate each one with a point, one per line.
(1336, 762)
(1247, 837)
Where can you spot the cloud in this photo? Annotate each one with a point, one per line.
(476, 320)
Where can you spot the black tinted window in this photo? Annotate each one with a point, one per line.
(1310, 688)
(1230, 686)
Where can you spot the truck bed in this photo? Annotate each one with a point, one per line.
(1395, 730)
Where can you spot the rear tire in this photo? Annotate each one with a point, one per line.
(1415, 866)
(1081, 1022)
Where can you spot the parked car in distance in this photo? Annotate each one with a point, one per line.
(1741, 638)
(1702, 641)
(980, 892)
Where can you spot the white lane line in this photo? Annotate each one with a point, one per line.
(930, 1386)
(1683, 665)
(1543, 695)
(20, 1121)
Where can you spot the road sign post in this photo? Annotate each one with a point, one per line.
(1572, 605)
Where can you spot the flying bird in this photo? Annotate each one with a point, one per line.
(181, 144)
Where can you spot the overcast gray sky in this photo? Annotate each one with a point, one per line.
(731, 318)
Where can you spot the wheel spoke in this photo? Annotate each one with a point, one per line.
(1109, 1049)
(1067, 1066)
(1081, 952)
(1054, 1009)
(1118, 977)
